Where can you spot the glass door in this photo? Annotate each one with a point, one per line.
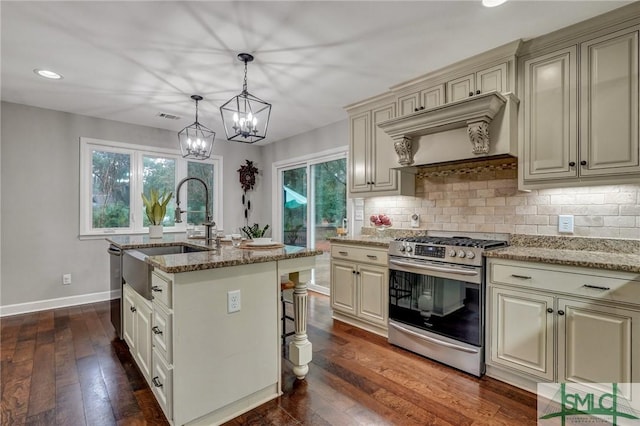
(313, 205)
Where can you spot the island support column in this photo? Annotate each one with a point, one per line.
(300, 353)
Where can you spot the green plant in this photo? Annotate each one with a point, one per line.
(156, 206)
(254, 231)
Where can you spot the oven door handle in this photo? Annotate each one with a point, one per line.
(432, 340)
(435, 268)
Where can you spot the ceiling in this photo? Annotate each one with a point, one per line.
(129, 61)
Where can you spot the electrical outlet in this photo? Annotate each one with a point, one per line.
(66, 279)
(415, 220)
(565, 223)
(233, 301)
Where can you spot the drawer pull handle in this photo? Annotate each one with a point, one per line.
(156, 382)
(344, 253)
(596, 287)
(524, 277)
(371, 256)
(156, 288)
(156, 330)
(132, 309)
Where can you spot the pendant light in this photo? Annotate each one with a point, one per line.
(245, 117)
(196, 140)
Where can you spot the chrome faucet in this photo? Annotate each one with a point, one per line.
(208, 223)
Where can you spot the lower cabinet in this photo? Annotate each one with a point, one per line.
(137, 318)
(360, 286)
(562, 324)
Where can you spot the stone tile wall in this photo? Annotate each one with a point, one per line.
(489, 201)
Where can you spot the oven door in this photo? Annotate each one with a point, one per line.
(439, 298)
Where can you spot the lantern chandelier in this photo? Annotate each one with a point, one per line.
(196, 140)
(245, 117)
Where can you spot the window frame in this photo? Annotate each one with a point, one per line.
(137, 154)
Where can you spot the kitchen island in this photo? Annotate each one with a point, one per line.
(215, 325)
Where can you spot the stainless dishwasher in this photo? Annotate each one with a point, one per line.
(115, 285)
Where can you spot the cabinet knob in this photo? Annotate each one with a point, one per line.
(133, 309)
(353, 272)
(357, 273)
(422, 107)
(415, 109)
(156, 330)
(470, 93)
(550, 310)
(583, 163)
(560, 312)
(572, 163)
(477, 92)
(156, 382)
(156, 289)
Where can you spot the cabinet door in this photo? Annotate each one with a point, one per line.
(595, 343)
(492, 79)
(460, 88)
(143, 333)
(432, 97)
(373, 294)
(550, 117)
(129, 316)
(609, 100)
(360, 152)
(384, 177)
(521, 335)
(343, 287)
(408, 104)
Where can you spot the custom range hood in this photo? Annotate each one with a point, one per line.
(479, 126)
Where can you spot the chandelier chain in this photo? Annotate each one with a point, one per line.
(244, 85)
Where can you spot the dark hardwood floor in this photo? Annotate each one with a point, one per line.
(65, 367)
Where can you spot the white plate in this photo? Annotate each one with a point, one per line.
(260, 244)
(226, 240)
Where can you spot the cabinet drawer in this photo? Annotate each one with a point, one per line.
(359, 254)
(162, 384)
(576, 283)
(161, 289)
(162, 332)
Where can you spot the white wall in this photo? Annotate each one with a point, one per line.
(335, 135)
(40, 199)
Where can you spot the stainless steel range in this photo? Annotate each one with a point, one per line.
(437, 297)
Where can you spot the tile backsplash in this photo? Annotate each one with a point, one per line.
(489, 201)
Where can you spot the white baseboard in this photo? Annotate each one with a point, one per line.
(42, 305)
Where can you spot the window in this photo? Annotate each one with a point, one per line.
(113, 175)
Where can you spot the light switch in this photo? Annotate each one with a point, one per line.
(565, 223)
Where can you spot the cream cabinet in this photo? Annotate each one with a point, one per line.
(359, 286)
(563, 324)
(137, 318)
(487, 80)
(580, 112)
(372, 155)
(423, 99)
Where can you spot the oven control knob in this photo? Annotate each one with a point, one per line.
(402, 249)
(461, 253)
(452, 253)
(409, 249)
(470, 255)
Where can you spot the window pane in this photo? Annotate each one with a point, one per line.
(294, 211)
(195, 191)
(110, 192)
(160, 174)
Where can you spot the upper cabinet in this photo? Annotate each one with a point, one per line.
(487, 80)
(579, 107)
(429, 97)
(372, 155)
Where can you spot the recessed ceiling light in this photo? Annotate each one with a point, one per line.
(47, 74)
(492, 3)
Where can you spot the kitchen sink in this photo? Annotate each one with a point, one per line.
(137, 272)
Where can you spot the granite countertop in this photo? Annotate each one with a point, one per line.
(212, 258)
(363, 240)
(600, 253)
